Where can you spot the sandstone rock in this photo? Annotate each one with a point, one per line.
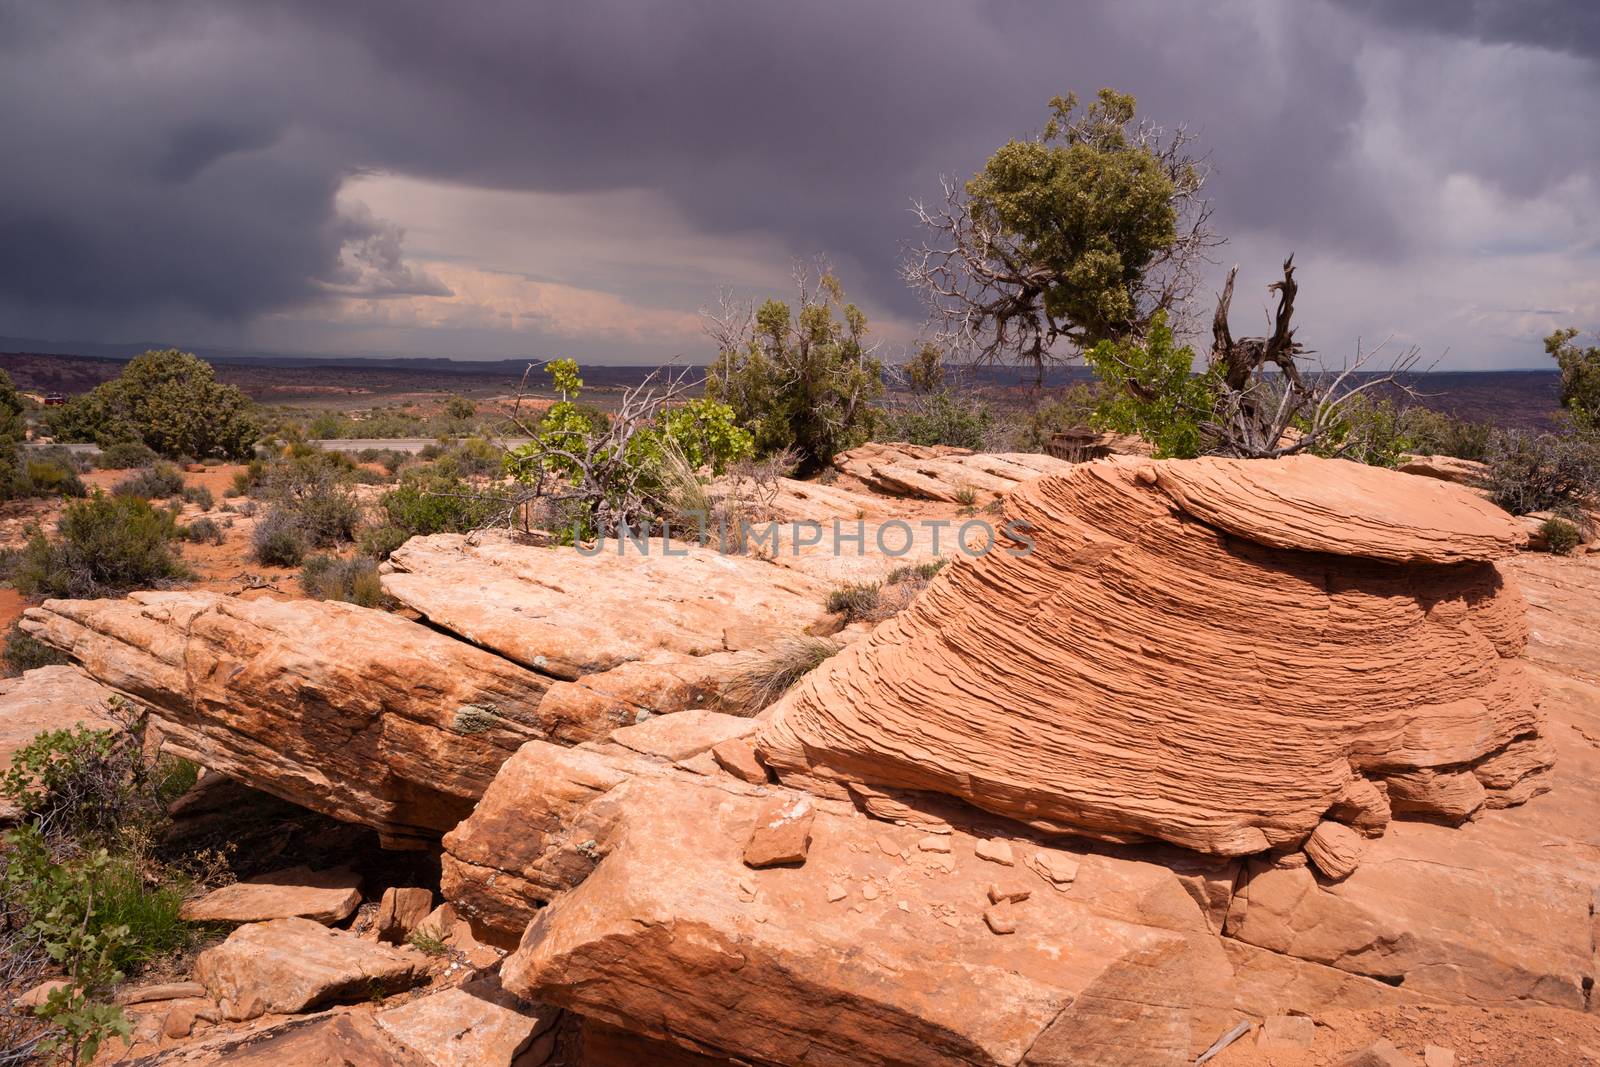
(38, 994)
(326, 897)
(1446, 468)
(648, 925)
(1059, 869)
(1380, 1053)
(683, 734)
(476, 1025)
(150, 994)
(1216, 686)
(564, 614)
(340, 1037)
(1287, 1031)
(293, 965)
(782, 833)
(937, 472)
(1434, 1056)
(400, 911)
(1082, 444)
(738, 757)
(355, 713)
(1009, 894)
(179, 1021)
(1334, 848)
(45, 698)
(1000, 919)
(995, 851)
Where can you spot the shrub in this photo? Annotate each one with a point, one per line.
(50, 478)
(1560, 537)
(377, 542)
(154, 483)
(199, 494)
(203, 531)
(1071, 409)
(942, 419)
(432, 500)
(106, 545)
(353, 581)
(1151, 390)
(23, 652)
(857, 600)
(915, 572)
(1542, 472)
(170, 401)
(428, 940)
(123, 455)
(1436, 434)
(278, 539)
(761, 682)
(89, 784)
(315, 489)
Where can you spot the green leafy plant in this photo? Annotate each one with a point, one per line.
(1560, 537)
(428, 941)
(278, 539)
(168, 400)
(941, 418)
(1580, 377)
(105, 545)
(1152, 391)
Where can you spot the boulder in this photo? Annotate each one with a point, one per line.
(341, 1037)
(569, 615)
(358, 714)
(45, 698)
(1334, 848)
(944, 474)
(684, 734)
(293, 965)
(1207, 652)
(326, 897)
(400, 911)
(1467, 472)
(475, 1025)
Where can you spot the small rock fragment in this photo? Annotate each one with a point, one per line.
(1435, 1056)
(934, 843)
(738, 757)
(1000, 918)
(1287, 1031)
(179, 1021)
(1009, 894)
(869, 891)
(995, 850)
(1379, 1054)
(782, 833)
(1059, 868)
(836, 892)
(149, 994)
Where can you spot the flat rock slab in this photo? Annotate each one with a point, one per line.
(326, 897)
(683, 734)
(470, 1026)
(45, 698)
(293, 965)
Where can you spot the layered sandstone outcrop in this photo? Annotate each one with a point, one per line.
(1220, 654)
(358, 714)
(943, 473)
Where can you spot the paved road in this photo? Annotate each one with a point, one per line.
(351, 444)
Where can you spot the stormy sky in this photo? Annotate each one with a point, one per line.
(507, 179)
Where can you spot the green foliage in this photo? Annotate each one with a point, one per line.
(202, 531)
(460, 408)
(1434, 433)
(105, 545)
(1560, 537)
(1153, 391)
(1088, 209)
(1542, 472)
(432, 500)
(12, 432)
(170, 401)
(941, 418)
(804, 379)
(278, 539)
(378, 542)
(915, 572)
(1580, 377)
(1070, 409)
(49, 478)
(153, 483)
(124, 455)
(199, 494)
(23, 652)
(924, 372)
(353, 581)
(316, 489)
(855, 600)
(1370, 431)
(427, 941)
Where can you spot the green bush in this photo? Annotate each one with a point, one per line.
(353, 581)
(203, 531)
(105, 545)
(856, 600)
(377, 542)
(199, 494)
(942, 419)
(1071, 409)
(23, 652)
(316, 489)
(49, 478)
(1542, 472)
(432, 500)
(124, 455)
(1434, 433)
(1560, 537)
(278, 539)
(915, 572)
(168, 400)
(153, 483)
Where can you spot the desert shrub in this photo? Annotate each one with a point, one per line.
(124, 455)
(105, 545)
(759, 683)
(1033, 428)
(428, 940)
(1542, 472)
(315, 488)
(1560, 536)
(84, 783)
(430, 500)
(460, 408)
(1368, 430)
(353, 581)
(941, 419)
(153, 483)
(23, 652)
(1580, 377)
(377, 542)
(856, 600)
(199, 494)
(1150, 389)
(278, 539)
(168, 400)
(49, 478)
(202, 531)
(1434, 433)
(915, 572)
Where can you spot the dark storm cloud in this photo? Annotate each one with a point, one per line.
(1557, 25)
(187, 156)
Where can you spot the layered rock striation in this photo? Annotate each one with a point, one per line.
(1220, 654)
